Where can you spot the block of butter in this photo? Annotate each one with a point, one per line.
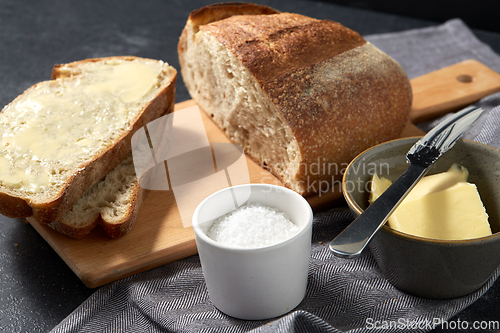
(441, 206)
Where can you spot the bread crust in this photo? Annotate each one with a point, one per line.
(116, 230)
(337, 93)
(99, 166)
(73, 232)
(220, 11)
(280, 44)
(377, 96)
(112, 229)
(217, 12)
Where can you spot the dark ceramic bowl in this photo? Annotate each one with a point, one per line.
(424, 267)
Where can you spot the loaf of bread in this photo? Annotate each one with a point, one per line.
(302, 96)
(62, 136)
(113, 203)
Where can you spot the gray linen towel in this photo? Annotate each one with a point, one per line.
(342, 295)
(421, 51)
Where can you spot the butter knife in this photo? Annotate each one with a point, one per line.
(354, 238)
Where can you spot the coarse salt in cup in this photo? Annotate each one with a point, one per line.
(251, 275)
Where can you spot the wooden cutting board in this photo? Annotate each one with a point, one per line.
(158, 236)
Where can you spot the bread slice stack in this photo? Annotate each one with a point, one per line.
(113, 203)
(302, 96)
(65, 149)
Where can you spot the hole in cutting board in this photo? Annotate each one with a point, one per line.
(465, 78)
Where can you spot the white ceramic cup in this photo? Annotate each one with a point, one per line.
(255, 283)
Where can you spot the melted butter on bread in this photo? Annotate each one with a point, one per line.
(130, 81)
(56, 127)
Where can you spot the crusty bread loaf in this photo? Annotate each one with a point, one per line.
(301, 96)
(112, 203)
(62, 136)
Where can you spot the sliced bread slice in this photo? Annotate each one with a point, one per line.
(60, 137)
(113, 203)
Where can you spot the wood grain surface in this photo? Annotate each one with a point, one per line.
(158, 236)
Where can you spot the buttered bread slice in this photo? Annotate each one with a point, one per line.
(62, 136)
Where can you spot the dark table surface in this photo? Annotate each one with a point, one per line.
(37, 289)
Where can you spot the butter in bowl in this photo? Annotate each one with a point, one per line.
(433, 265)
(441, 206)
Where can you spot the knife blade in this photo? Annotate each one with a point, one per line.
(421, 156)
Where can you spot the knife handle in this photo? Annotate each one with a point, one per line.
(353, 239)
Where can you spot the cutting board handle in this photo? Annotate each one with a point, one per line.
(451, 88)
